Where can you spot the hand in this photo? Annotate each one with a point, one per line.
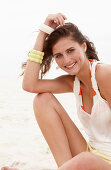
(54, 20)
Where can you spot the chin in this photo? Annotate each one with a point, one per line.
(72, 74)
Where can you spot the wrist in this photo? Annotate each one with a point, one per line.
(42, 33)
(47, 22)
(45, 28)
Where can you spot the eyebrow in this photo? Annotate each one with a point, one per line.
(66, 50)
(56, 54)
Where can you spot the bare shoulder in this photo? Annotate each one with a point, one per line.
(103, 73)
(103, 77)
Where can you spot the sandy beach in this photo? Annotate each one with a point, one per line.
(22, 144)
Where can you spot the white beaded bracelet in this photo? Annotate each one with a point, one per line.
(46, 28)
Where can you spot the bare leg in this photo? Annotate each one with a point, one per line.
(61, 134)
(85, 161)
(8, 168)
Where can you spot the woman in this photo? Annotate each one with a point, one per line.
(88, 79)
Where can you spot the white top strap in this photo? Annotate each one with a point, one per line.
(94, 82)
(93, 69)
(76, 87)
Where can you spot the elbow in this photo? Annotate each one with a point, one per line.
(28, 88)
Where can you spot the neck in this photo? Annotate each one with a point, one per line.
(84, 75)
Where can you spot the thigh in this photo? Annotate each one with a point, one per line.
(77, 142)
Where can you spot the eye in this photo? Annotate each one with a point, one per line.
(58, 56)
(70, 50)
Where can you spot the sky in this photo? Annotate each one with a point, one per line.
(20, 18)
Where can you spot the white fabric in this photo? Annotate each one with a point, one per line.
(46, 28)
(97, 125)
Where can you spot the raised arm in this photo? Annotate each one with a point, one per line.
(31, 81)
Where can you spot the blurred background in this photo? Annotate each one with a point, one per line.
(20, 18)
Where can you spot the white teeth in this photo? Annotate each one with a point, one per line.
(71, 65)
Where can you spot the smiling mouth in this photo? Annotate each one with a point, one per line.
(70, 66)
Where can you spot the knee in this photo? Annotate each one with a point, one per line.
(83, 161)
(41, 100)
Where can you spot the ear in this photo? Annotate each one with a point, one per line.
(84, 46)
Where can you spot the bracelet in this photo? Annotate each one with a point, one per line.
(36, 56)
(46, 29)
(35, 60)
(37, 52)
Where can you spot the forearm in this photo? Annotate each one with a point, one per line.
(40, 41)
(32, 70)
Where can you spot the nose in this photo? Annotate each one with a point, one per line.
(65, 56)
(66, 59)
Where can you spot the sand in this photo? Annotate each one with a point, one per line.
(22, 144)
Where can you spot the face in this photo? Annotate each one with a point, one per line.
(69, 55)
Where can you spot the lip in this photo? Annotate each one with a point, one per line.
(69, 64)
(71, 67)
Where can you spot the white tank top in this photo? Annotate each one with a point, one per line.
(97, 125)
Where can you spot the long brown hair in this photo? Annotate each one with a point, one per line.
(66, 30)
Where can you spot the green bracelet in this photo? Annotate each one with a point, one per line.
(35, 56)
(37, 52)
(35, 60)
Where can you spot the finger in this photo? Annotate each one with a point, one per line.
(56, 21)
(63, 16)
(60, 20)
(63, 20)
